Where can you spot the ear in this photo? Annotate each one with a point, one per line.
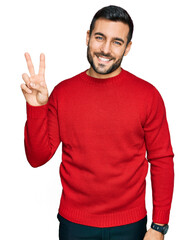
(87, 38)
(127, 48)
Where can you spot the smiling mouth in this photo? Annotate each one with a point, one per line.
(103, 58)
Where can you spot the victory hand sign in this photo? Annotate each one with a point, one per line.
(35, 89)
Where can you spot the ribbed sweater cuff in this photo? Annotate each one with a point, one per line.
(36, 111)
(160, 215)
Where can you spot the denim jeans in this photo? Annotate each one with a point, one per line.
(74, 231)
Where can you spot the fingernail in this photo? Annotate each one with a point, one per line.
(32, 84)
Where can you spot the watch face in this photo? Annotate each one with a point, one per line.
(166, 227)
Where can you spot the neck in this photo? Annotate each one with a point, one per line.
(94, 74)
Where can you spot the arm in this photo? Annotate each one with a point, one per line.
(41, 133)
(160, 156)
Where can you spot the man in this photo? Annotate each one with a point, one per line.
(107, 120)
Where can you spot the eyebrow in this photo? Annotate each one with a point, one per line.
(118, 39)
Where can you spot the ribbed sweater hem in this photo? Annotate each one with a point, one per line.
(106, 220)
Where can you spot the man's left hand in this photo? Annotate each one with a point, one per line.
(152, 234)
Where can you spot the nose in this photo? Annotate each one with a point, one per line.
(105, 47)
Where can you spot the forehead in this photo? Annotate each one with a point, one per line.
(111, 28)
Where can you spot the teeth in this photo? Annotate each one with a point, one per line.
(104, 59)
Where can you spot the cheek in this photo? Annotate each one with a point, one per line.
(120, 53)
(117, 54)
(95, 46)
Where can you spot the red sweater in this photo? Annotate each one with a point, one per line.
(110, 129)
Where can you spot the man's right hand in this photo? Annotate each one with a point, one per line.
(35, 89)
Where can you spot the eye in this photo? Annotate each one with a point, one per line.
(117, 43)
(99, 37)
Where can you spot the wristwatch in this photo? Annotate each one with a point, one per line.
(162, 229)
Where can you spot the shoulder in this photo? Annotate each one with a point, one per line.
(138, 82)
(68, 81)
(141, 86)
(143, 89)
(66, 84)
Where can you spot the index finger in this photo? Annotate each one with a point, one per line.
(29, 64)
(42, 64)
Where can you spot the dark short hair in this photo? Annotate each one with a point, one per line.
(114, 13)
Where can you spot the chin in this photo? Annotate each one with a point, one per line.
(106, 71)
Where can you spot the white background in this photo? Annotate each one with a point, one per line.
(162, 53)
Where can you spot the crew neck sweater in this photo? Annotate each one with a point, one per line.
(111, 130)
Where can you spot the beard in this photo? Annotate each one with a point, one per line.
(100, 68)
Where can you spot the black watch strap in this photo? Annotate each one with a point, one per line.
(162, 229)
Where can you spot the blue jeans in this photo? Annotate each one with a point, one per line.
(74, 231)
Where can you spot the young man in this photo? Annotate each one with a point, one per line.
(107, 120)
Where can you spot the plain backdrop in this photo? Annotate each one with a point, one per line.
(162, 53)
